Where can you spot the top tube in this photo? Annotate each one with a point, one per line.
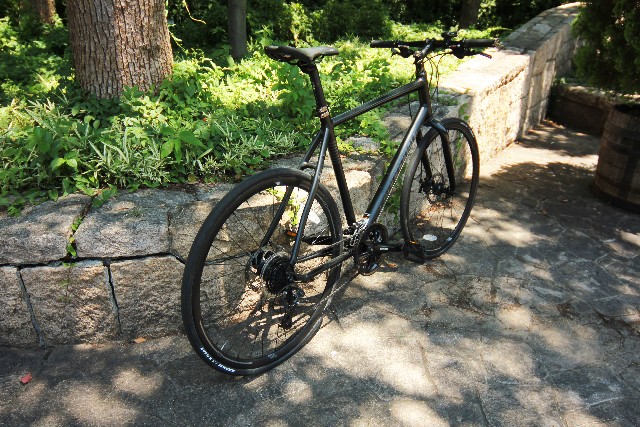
(415, 85)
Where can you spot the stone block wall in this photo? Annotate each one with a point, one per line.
(502, 98)
(124, 281)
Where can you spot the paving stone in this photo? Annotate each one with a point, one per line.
(40, 234)
(585, 279)
(561, 344)
(185, 221)
(132, 224)
(521, 405)
(147, 292)
(71, 303)
(16, 328)
(592, 385)
(625, 270)
(622, 308)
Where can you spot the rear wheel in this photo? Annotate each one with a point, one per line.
(242, 309)
(433, 208)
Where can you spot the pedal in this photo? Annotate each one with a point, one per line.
(413, 252)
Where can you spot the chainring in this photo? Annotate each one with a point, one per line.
(367, 261)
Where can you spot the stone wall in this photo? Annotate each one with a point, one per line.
(124, 280)
(504, 97)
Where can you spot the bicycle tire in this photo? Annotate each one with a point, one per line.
(430, 214)
(231, 312)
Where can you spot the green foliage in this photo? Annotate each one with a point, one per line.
(611, 55)
(212, 119)
(445, 13)
(203, 23)
(34, 59)
(362, 18)
(198, 22)
(511, 13)
(296, 24)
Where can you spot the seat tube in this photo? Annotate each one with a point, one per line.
(326, 123)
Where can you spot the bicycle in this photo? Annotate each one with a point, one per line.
(264, 264)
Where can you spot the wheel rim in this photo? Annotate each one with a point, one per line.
(244, 322)
(435, 213)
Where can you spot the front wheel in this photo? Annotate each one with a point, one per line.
(243, 310)
(433, 207)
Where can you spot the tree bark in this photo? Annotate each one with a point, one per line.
(469, 13)
(118, 44)
(237, 11)
(45, 10)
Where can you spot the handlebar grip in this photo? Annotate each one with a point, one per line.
(383, 43)
(475, 43)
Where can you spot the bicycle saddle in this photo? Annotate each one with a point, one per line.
(302, 55)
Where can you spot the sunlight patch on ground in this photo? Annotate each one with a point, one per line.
(108, 410)
(416, 413)
(135, 382)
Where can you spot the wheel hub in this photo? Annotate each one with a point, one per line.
(273, 268)
(435, 188)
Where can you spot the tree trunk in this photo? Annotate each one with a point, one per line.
(118, 44)
(469, 13)
(237, 10)
(45, 10)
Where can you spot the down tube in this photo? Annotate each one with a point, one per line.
(384, 189)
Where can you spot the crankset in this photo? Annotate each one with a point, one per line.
(366, 258)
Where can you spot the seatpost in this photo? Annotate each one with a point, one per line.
(321, 103)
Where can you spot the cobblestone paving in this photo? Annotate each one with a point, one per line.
(532, 319)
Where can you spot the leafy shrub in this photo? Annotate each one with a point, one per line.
(296, 24)
(442, 13)
(362, 18)
(511, 13)
(611, 55)
(212, 119)
(200, 23)
(33, 62)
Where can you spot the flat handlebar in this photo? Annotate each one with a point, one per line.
(464, 43)
(475, 43)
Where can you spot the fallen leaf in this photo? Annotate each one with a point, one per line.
(139, 340)
(25, 379)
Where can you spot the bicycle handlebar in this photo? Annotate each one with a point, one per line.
(446, 43)
(475, 43)
(383, 44)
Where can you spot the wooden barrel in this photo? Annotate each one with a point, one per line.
(618, 171)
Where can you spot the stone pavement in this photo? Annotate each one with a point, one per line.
(531, 319)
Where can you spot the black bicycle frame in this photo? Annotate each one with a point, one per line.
(325, 139)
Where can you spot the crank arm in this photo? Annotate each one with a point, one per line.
(382, 248)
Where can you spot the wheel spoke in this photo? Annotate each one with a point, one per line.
(433, 213)
(236, 309)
